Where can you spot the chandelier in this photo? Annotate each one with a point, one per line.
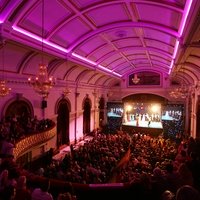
(179, 92)
(42, 83)
(4, 90)
(135, 79)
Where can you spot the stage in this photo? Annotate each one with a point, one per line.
(146, 124)
(152, 128)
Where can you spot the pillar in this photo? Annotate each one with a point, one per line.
(194, 100)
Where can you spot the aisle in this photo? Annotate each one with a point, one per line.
(66, 149)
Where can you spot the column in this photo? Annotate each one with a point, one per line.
(95, 107)
(76, 104)
(194, 99)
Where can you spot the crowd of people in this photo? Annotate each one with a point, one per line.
(91, 163)
(17, 127)
(156, 164)
(158, 167)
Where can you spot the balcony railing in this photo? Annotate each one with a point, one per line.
(27, 143)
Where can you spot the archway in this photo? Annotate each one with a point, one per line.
(86, 115)
(21, 109)
(63, 110)
(18, 107)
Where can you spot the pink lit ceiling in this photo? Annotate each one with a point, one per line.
(114, 37)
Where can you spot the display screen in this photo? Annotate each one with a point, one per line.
(173, 120)
(115, 109)
(172, 112)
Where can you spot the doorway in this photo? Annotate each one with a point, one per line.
(63, 123)
(86, 116)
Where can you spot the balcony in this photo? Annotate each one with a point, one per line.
(26, 144)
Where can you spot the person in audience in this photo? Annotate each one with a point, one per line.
(158, 182)
(182, 157)
(49, 156)
(42, 193)
(9, 193)
(3, 180)
(168, 195)
(185, 173)
(40, 171)
(187, 192)
(172, 178)
(65, 196)
(194, 166)
(7, 148)
(12, 177)
(22, 192)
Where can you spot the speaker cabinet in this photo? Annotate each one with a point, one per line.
(44, 104)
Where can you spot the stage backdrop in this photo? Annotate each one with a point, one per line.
(145, 114)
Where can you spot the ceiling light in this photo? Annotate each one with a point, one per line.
(42, 83)
(4, 90)
(135, 79)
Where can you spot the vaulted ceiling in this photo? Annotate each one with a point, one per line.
(102, 41)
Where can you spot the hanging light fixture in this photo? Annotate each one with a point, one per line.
(180, 92)
(42, 83)
(135, 79)
(4, 90)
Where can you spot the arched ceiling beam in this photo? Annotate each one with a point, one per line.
(132, 49)
(81, 75)
(54, 64)
(24, 61)
(117, 25)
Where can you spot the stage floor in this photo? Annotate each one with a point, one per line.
(157, 125)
